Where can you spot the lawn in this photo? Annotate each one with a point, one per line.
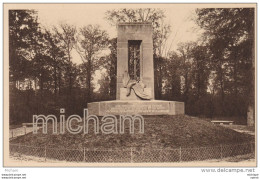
(160, 132)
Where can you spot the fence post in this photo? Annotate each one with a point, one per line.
(180, 156)
(252, 148)
(84, 154)
(19, 149)
(45, 153)
(131, 153)
(221, 151)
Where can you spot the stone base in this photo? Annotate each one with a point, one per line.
(142, 107)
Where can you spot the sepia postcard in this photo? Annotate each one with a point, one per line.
(170, 85)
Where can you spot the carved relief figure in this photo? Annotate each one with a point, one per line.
(137, 86)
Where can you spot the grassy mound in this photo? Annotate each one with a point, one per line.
(159, 132)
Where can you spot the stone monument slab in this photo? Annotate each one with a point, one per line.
(135, 77)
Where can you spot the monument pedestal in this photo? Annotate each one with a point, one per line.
(133, 107)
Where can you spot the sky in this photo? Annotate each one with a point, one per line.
(183, 28)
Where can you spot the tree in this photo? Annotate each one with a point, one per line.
(91, 41)
(152, 15)
(40, 60)
(28, 62)
(56, 54)
(173, 74)
(185, 50)
(160, 34)
(23, 27)
(186, 77)
(110, 64)
(200, 70)
(67, 35)
(229, 33)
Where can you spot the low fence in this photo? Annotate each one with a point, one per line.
(134, 155)
(13, 133)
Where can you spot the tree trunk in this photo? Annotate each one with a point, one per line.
(251, 103)
(55, 80)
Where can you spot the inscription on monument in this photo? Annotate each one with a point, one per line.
(141, 108)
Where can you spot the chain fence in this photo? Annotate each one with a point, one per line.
(133, 155)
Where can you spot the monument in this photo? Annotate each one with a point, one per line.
(135, 77)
